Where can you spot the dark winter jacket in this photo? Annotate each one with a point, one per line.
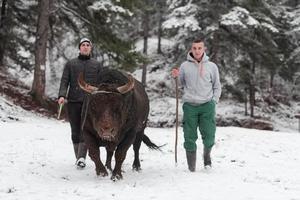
(90, 68)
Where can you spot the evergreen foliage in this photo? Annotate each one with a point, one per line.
(255, 43)
(18, 25)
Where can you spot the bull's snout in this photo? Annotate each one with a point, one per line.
(107, 133)
(107, 130)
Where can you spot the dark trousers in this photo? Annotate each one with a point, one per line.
(74, 113)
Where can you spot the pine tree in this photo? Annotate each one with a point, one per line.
(39, 80)
(16, 31)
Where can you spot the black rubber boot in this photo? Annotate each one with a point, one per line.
(191, 160)
(206, 157)
(75, 146)
(82, 151)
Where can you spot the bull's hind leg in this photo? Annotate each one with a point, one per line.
(136, 148)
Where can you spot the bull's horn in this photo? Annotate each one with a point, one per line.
(128, 86)
(83, 85)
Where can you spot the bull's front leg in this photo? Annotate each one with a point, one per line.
(94, 154)
(120, 156)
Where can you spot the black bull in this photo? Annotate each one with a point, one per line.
(115, 117)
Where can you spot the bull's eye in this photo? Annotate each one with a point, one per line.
(93, 106)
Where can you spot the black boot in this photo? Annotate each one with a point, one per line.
(206, 157)
(82, 151)
(191, 160)
(75, 146)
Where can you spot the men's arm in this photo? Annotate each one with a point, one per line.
(216, 85)
(64, 82)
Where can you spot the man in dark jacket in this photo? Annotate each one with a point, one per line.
(75, 96)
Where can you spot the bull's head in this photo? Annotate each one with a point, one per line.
(107, 107)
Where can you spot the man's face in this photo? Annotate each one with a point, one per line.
(198, 50)
(85, 48)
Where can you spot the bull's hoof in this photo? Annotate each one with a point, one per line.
(136, 168)
(136, 165)
(116, 177)
(102, 173)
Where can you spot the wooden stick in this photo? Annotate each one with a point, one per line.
(176, 130)
(59, 110)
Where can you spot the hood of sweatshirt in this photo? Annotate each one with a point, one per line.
(191, 58)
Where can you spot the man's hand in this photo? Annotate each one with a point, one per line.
(61, 100)
(175, 72)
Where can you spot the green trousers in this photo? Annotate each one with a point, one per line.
(202, 116)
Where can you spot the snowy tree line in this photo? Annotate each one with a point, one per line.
(255, 43)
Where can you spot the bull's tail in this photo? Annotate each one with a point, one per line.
(149, 143)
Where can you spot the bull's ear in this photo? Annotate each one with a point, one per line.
(83, 85)
(128, 86)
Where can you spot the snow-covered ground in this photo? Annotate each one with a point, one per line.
(37, 162)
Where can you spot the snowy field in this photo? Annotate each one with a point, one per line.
(37, 162)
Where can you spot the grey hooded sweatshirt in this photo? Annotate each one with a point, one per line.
(200, 80)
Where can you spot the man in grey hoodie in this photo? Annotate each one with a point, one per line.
(201, 92)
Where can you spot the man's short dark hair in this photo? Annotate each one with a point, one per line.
(198, 40)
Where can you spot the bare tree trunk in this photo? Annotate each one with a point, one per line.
(146, 34)
(51, 54)
(159, 34)
(271, 82)
(144, 74)
(38, 85)
(3, 12)
(146, 31)
(251, 98)
(2, 31)
(252, 90)
(246, 103)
